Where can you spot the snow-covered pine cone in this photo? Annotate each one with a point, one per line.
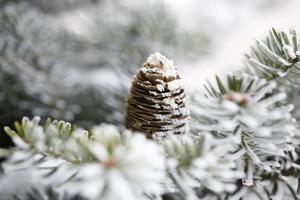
(157, 102)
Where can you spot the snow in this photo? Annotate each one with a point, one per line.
(160, 87)
(170, 102)
(157, 106)
(156, 59)
(289, 51)
(154, 93)
(174, 85)
(160, 64)
(160, 81)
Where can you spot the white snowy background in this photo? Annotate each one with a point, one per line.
(232, 25)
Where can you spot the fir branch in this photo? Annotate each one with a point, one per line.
(73, 159)
(247, 110)
(199, 163)
(275, 57)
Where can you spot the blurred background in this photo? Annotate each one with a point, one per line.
(74, 59)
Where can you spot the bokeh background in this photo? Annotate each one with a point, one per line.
(74, 59)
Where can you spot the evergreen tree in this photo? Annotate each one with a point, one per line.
(240, 139)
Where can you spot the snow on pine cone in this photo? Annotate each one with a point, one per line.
(157, 103)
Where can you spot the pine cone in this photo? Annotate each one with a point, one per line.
(157, 103)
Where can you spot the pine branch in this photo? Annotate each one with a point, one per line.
(276, 57)
(248, 111)
(74, 159)
(198, 164)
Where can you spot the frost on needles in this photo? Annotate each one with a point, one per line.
(97, 163)
(92, 164)
(244, 110)
(240, 139)
(276, 57)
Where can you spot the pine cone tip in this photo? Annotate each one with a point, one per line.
(159, 63)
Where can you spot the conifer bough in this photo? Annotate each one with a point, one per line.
(157, 102)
